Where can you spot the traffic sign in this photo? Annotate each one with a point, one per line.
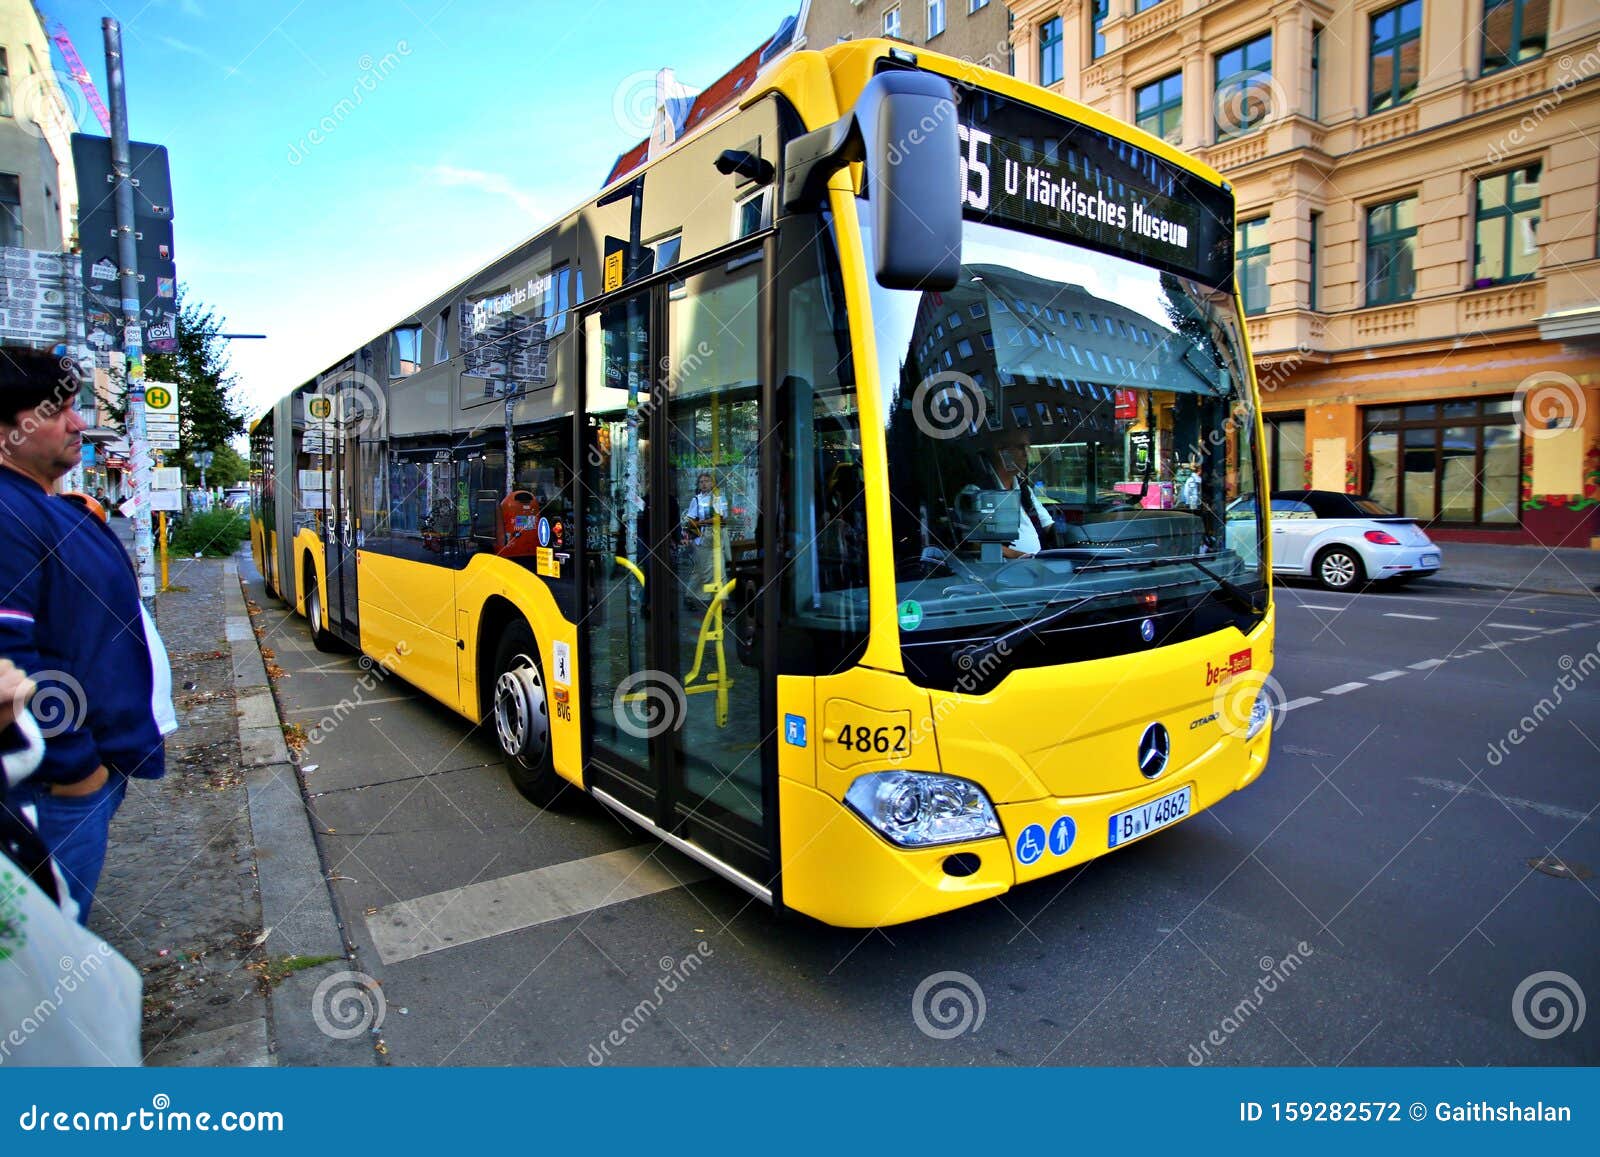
(160, 398)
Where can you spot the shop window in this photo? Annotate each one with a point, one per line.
(1456, 462)
(1286, 451)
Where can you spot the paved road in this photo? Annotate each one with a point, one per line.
(1385, 838)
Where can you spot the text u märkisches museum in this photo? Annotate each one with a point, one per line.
(1417, 186)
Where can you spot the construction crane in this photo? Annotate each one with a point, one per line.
(63, 42)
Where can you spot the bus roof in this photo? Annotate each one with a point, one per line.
(823, 84)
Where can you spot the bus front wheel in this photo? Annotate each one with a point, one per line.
(521, 716)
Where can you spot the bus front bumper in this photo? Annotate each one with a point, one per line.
(840, 871)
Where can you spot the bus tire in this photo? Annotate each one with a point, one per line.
(317, 616)
(520, 712)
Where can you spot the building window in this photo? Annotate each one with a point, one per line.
(1391, 251)
(1396, 60)
(1286, 451)
(1507, 247)
(1513, 31)
(441, 338)
(5, 84)
(1143, 5)
(1252, 252)
(1244, 87)
(1316, 72)
(1102, 8)
(1050, 54)
(1312, 242)
(1158, 108)
(10, 210)
(1457, 462)
(976, 5)
(405, 351)
(935, 18)
(891, 22)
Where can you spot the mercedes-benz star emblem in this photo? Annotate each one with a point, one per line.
(1155, 748)
(1147, 630)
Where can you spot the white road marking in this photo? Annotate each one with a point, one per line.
(1344, 688)
(1463, 654)
(1305, 701)
(1426, 664)
(1419, 618)
(1385, 676)
(459, 916)
(1544, 809)
(1512, 627)
(1316, 607)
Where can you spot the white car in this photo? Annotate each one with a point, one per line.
(1344, 540)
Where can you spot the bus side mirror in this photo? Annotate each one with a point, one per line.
(904, 128)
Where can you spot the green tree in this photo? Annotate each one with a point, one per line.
(209, 413)
(228, 468)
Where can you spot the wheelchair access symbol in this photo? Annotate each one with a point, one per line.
(1030, 844)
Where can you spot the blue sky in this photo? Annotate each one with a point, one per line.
(477, 124)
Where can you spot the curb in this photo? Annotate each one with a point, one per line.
(298, 915)
(1503, 585)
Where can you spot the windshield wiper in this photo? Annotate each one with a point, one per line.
(974, 659)
(1232, 592)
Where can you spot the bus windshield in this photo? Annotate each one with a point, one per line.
(1064, 427)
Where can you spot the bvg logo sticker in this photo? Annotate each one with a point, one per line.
(1238, 663)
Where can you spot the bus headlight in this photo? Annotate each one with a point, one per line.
(1260, 712)
(916, 809)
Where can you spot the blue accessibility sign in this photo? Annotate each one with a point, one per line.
(1030, 844)
(794, 730)
(1062, 833)
(544, 532)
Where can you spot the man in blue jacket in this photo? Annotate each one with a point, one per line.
(70, 617)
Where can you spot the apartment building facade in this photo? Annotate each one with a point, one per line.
(37, 184)
(1417, 183)
(974, 30)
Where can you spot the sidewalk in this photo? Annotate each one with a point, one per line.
(178, 897)
(1526, 569)
(213, 886)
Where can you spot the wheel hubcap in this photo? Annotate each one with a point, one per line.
(1338, 570)
(521, 720)
(315, 609)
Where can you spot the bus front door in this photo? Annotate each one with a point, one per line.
(678, 709)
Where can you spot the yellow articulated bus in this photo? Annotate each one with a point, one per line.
(861, 496)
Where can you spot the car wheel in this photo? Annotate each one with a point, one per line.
(321, 638)
(521, 717)
(1339, 569)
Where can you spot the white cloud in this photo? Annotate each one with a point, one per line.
(494, 184)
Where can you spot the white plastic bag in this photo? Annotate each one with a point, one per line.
(66, 996)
